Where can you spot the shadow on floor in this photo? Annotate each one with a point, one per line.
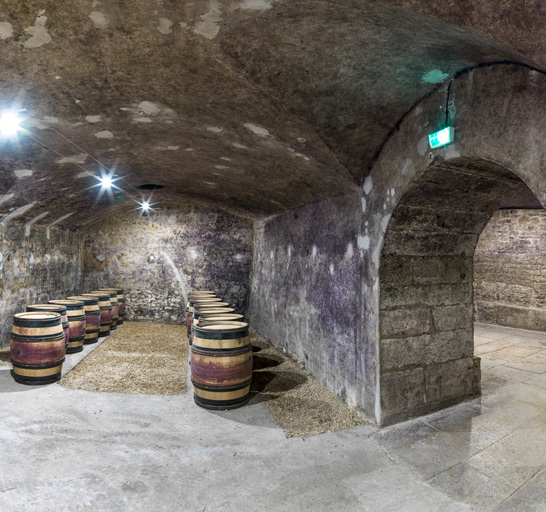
(269, 361)
(9, 385)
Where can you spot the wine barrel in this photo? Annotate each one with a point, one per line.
(192, 303)
(115, 307)
(92, 317)
(221, 365)
(202, 305)
(121, 300)
(105, 307)
(76, 323)
(195, 295)
(225, 315)
(54, 308)
(37, 347)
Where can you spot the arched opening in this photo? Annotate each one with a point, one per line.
(426, 277)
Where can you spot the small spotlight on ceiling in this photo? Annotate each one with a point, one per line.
(145, 206)
(9, 123)
(106, 181)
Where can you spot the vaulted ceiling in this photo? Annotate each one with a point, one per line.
(259, 106)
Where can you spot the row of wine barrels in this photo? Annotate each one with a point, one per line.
(221, 352)
(42, 335)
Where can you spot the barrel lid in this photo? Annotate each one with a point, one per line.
(100, 295)
(117, 290)
(228, 317)
(87, 301)
(206, 299)
(222, 326)
(200, 292)
(32, 316)
(215, 310)
(111, 293)
(212, 305)
(67, 302)
(55, 308)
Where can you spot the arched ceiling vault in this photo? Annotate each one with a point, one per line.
(259, 106)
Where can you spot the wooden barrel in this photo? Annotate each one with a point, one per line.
(54, 308)
(121, 302)
(204, 304)
(221, 365)
(192, 303)
(76, 323)
(37, 347)
(202, 307)
(115, 307)
(92, 317)
(195, 295)
(225, 316)
(105, 307)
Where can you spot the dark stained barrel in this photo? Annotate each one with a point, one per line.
(76, 323)
(221, 365)
(121, 303)
(115, 307)
(92, 317)
(37, 347)
(54, 308)
(105, 311)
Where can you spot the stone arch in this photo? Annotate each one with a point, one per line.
(426, 284)
(500, 112)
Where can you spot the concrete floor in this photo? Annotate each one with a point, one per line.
(67, 450)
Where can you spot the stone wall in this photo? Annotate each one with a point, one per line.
(426, 307)
(158, 258)
(36, 265)
(306, 287)
(510, 270)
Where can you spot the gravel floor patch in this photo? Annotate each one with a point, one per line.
(5, 357)
(301, 406)
(139, 357)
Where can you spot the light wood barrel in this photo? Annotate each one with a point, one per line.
(37, 347)
(92, 317)
(121, 303)
(55, 308)
(105, 307)
(76, 323)
(196, 295)
(115, 307)
(206, 317)
(221, 365)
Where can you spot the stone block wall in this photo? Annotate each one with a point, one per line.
(157, 259)
(510, 270)
(36, 265)
(426, 302)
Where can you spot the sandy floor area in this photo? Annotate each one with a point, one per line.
(300, 405)
(139, 357)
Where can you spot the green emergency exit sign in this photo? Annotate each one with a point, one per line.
(441, 138)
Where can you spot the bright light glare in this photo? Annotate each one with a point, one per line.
(145, 205)
(9, 123)
(106, 181)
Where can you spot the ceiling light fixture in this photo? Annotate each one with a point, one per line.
(9, 123)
